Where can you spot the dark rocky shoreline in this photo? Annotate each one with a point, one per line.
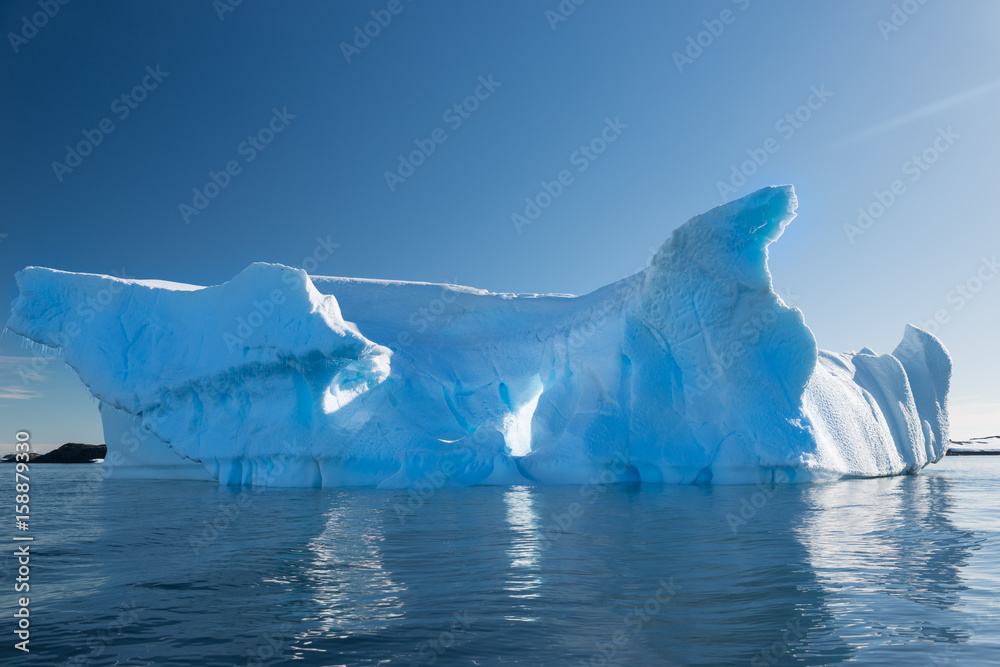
(71, 452)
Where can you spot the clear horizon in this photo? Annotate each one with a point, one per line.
(416, 154)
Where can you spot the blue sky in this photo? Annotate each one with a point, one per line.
(853, 102)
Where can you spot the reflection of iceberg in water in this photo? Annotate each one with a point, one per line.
(542, 575)
(352, 591)
(554, 575)
(524, 525)
(887, 558)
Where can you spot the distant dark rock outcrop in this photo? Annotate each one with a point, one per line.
(12, 458)
(71, 452)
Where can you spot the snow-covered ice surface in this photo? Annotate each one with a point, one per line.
(691, 371)
(987, 444)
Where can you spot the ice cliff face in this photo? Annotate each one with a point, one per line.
(691, 371)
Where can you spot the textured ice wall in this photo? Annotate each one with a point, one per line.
(691, 371)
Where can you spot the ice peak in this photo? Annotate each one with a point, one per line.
(692, 371)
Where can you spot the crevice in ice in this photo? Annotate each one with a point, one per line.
(461, 421)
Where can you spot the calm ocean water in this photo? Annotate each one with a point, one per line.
(899, 571)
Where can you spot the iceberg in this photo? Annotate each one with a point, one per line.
(693, 370)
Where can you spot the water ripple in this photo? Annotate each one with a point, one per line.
(892, 571)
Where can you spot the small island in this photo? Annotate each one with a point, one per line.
(71, 452)
(990, 445)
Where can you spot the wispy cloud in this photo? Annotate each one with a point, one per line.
(9, 362)
(17, 393)
(927, 110)
(15, 361)
(18, 371)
